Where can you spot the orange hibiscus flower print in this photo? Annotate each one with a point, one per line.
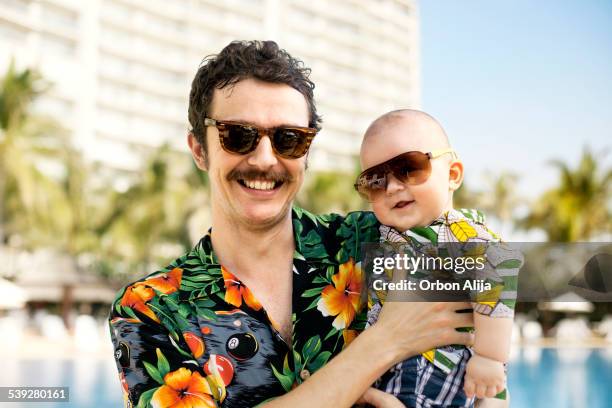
(342, 299)
(182, 389)
(136, 296)
(166, 283)
(236, 292)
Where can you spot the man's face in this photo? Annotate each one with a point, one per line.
(258, 188)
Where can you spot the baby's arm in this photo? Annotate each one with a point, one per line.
(485, 375)
(493, 319)
(493, 323)
(492, 336)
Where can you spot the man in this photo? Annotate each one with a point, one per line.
(264, 307)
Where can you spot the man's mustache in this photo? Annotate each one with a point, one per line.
(252, 174)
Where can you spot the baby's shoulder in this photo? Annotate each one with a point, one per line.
(465, 225)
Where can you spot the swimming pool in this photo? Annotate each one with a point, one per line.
(561, 378)
(537, 377)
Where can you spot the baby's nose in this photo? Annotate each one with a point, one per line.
(394, 185)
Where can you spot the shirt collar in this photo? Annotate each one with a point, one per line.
(308, 236)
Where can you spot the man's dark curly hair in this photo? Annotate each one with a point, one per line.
(239, 60)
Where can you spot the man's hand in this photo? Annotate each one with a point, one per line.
(410, 328)
(379, 399)
(484, 377)
(404, 329)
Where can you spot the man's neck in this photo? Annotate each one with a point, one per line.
(241, 247)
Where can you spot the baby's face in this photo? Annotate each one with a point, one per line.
(405, 206)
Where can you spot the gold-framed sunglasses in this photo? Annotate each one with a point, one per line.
(411, 168)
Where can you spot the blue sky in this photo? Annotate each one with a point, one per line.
(518, 83)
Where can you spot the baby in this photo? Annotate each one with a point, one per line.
(410, 175)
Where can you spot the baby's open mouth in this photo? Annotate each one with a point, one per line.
(260, 184)
(403, 204)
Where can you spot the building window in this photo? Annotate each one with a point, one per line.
(56, 46)
(59, 18)
(11, 34)
(20, 6)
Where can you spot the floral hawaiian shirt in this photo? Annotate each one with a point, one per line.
(193, 335)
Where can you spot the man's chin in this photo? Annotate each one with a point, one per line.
(264, 216)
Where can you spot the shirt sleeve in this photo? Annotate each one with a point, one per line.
(499, 275)
(156, 361)
(502, 268)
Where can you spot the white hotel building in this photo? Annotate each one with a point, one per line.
(122, 69)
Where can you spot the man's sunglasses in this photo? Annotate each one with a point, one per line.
(411, 168)
(240, 138)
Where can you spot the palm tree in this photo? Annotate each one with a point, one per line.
(579, 207)
(152, 213)
(466, 197)
(330, 191)
(500, 198)
(32, 204)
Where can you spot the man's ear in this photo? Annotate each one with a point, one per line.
(197, 152)
(455, 175)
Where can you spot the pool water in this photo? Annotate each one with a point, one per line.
(559, 378)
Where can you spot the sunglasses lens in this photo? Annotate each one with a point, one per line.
(239, 139)
(372, 183)
(411, 168)
(291, 143)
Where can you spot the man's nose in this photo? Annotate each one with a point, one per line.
(263, 156)
(394, 185)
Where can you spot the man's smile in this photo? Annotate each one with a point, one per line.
(264, 185)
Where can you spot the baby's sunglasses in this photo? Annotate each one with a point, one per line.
(411, 168)
(240, 138)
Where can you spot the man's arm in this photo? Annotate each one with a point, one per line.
(404, 329)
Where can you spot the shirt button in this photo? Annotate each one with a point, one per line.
(304, 374)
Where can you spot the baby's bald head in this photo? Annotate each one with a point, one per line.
(405, 129)
(406, 204)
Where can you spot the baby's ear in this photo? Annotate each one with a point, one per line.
(455, 175)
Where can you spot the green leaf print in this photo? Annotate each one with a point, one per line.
(145, 398)
(509, 264)
(330, 272)
(312, 292)
(207, 314)
(313, 304)
(320, 279)
(426, 232)
(153, 372)
(312, 347)
(285, 380)
(128, 311)
(319, 361)
(162, 363)
(297, 359)
(200, 277)
(297, 229)
(299, 212)
(184, 310)
(331, 333)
